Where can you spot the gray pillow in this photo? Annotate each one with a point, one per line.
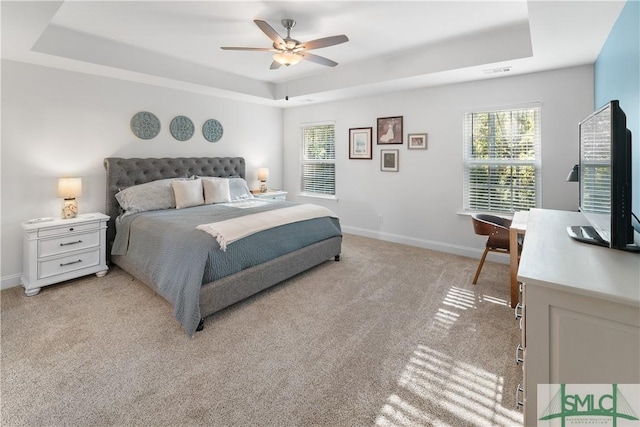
(150, 196)
(238, 189)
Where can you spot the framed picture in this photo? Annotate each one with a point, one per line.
(360, 143)
(417, 141)
(390, 130)
(389, 160)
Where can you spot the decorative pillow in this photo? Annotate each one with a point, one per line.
(216, 190)
(239, 189)
(148, 197)
(188, 193)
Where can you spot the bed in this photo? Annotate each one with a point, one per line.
(213, 278)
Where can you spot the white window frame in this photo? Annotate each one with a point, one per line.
(306, 161)
(480, 205)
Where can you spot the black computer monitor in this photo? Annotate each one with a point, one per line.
(605, 179)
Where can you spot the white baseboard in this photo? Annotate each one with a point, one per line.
(427, 244)
(10, 281)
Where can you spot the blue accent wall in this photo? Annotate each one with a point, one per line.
(617, 76)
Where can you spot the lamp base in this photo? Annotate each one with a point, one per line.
(263, 187)
(69, 208)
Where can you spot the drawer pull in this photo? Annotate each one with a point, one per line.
(519, 392)
(70, 243)
(519, 359)
(69, 263)
(518, 311)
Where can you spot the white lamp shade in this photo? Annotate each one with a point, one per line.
(69, 188)
(263, 174)
(287, 58)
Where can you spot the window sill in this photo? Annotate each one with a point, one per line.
(318, 196)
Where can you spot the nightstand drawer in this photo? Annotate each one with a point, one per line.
(68, 229)
(76, 261)
(73, 242)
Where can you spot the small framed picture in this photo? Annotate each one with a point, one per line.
(389, 160)
(417, 141)
(390, 130)
(360, 143)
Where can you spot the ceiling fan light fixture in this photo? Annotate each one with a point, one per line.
(287, 58)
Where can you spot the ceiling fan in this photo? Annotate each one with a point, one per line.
(289, 51)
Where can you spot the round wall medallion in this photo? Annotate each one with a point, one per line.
(212, 130)
(181, 128)
(145, 125)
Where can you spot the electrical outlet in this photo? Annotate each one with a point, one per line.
(380, 219)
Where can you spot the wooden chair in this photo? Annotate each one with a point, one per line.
(497, 228)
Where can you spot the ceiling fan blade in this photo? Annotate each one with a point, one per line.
(324, 42)
(275, 65)
(318, 59)
(260, 49)
(270, 32)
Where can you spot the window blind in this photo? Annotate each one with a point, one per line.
(318, 159)
(595, 173)
(502, 160)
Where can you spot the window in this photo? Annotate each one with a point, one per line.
(502, 160)
(318, 169)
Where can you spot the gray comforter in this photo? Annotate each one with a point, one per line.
(166, 246)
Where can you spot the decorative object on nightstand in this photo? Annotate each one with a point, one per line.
(263, 176)
(63, 249)
(69, 189)
(271, 195)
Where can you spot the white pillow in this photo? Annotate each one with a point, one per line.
(216, 190)
(149, 196)
(188, 193)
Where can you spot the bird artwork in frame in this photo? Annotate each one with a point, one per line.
(390, 130)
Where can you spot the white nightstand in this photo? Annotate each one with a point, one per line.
(63, 249)
(271, 195)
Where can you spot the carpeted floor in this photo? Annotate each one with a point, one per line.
(391, 335)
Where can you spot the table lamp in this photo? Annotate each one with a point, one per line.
(574, 175)
(263, 176)
(69, 189)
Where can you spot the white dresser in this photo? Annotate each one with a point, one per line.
(581, 310)
(63, 249)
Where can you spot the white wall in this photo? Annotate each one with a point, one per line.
(419, 205)
(61, 123)
(57, 123)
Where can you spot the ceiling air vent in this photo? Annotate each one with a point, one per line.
(497, 70)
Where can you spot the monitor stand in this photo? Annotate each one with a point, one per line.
(586, 234)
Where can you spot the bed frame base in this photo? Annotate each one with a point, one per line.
(222, 293)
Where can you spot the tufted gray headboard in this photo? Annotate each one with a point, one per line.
(122, 173)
